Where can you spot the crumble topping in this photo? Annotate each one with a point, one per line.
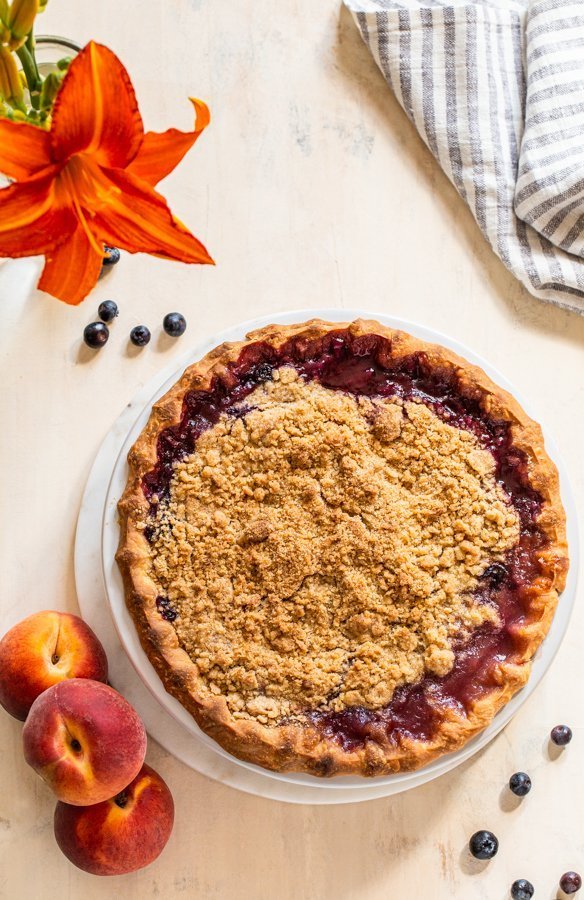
(321, 550)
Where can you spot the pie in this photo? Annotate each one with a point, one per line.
(341, 547)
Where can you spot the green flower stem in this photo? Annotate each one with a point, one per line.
(27, 58)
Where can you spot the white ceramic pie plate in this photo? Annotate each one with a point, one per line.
(101, 599)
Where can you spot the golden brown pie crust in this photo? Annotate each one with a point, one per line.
(295, 744)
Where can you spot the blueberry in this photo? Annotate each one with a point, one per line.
(570, 882)
(496, 574)
(112, 256)
(520, 784)
(561, 735)
(96, 335)
(107, 311)
(174, 324)
(165, 609)
(140, 335)
(263, 372)
(483, 845)
(522, 889)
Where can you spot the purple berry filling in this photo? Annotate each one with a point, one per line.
(364, 366)
(165, 609)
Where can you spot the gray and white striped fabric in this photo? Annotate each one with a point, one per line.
(496, 90)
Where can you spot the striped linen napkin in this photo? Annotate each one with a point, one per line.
(496, 91)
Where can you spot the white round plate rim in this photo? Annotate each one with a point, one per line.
(245, 776)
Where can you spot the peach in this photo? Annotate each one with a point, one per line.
(42, 650)
(84, 740)
(119, 835)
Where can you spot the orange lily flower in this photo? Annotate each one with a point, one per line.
(89, 180)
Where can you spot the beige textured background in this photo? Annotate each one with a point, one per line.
(310, 188)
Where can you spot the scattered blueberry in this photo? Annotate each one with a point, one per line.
(522, 889)
(95, 335)
(483, 845)
(570, 882)
(561, 735)
(520, 784)
(107, 311)
(140, 335)
(174, 324)
(112, 256)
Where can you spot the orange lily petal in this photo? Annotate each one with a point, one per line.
(138, 219)
(71, 269)
(161, 153)
(96, 110)
(24, 149)
(32, 219)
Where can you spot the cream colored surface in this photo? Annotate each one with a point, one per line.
(310, 188)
